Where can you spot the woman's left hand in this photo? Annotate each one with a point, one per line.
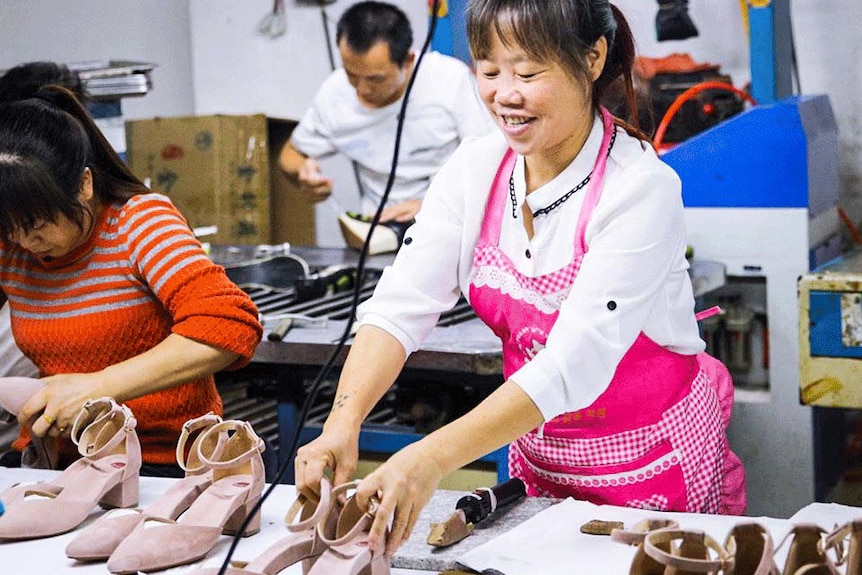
(59, 403)
(402, 486)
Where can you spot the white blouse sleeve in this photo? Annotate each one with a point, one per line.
(423, 281)
(635, 240)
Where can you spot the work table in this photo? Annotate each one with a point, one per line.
(39, 556)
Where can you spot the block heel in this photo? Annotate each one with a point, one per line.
(235, 522)
(123, 495)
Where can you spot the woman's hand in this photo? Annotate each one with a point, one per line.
(336, 449)
(56, 406)
(403, 486)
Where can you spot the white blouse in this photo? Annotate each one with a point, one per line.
(635, 258)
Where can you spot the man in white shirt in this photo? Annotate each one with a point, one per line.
(355, 113)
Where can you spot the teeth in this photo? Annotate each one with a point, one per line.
(515, 121)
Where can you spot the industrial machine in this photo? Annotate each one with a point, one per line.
(830, 349)
(761, 196)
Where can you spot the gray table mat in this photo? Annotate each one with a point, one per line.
(417, 554)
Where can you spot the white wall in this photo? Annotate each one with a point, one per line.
(152, 31)
(210, 59)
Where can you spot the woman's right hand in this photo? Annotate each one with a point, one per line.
(336, 449)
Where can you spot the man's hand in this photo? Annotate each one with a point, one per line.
(401, 212)
(312, 184)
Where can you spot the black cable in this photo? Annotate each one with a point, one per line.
(360, 280)
(325, 18)
(793, 59)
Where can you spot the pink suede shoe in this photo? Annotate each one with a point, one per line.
(102, 537)
(692, 556)
(643, 564)
(846, 541)
(238, 479)
(302, 543)
(348, 551)
(106, 474)
(807, 554)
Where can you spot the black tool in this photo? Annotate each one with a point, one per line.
(484, 501)
(333, 279)
(472, 509)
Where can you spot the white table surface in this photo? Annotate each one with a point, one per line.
(41, 556)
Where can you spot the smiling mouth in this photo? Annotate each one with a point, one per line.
(516, 120)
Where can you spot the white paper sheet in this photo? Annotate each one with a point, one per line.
(551, 542)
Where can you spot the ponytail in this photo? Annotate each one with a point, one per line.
(112, 178)
(619, 67)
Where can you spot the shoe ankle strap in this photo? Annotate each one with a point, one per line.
(320, 512)
(94, 417)
(635, 535)
(189, 427)
(256, 446)
(361, 519)
(835, 540)
(724, 561)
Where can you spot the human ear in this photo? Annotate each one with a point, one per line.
(597, 57)
(85, 193)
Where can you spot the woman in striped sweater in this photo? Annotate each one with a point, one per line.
(110, 292)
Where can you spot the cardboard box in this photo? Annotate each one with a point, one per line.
(222, 171)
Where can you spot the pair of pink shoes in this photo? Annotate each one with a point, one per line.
(218, 497)
(99, 540)
(106, 474)
(326, 536)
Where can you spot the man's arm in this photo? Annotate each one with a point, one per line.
(306, 172)
(290, 160)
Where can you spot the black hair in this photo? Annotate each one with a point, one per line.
(46, 143)
(562, 31)
(24, 80)
(366, 23)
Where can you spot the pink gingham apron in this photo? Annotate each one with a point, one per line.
(654, 439)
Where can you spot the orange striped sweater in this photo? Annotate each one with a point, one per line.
(141, 276)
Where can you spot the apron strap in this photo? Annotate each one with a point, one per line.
(490, 234)
(594, 191)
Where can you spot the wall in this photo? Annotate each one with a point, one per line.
(154, 31)
(211, 60)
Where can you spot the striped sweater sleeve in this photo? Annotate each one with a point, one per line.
(204, 304)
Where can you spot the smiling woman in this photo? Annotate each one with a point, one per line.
(110, 293)
(565, 231)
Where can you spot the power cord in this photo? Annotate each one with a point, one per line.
(360, 280)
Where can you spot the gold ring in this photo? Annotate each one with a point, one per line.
(373, 505)
(49, 420)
